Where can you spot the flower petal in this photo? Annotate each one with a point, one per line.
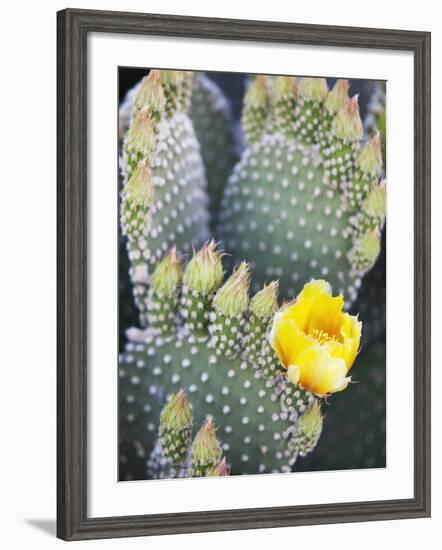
(288, 340)
(351, 332)
(315, 287)
(326, 315)
(315, 340)
(300, 310)
(316, 310)
(320, 372)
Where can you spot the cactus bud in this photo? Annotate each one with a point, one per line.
(171, 82)
(368, 162)
(140, 138)
(163, 295)
(218, 470)
(177, 414)
(167, 275)
(262, 307)
(265, 302)
(204, 272)
(202, 276)
(176, 428)
(139, 190)
(138, 196)
(365, 251)
(309, 111)
(284, 87)
(206, 450)
(337, 97)
(369, 159)
(308, 431)
(151, 95)
(256, 109)
(311, 421)
(186, 90)
(257, 94)
(230, 304)
(313, 89)
(339, 146)
(232, 298)
(375, 202)
(347, 124)
(284, 103)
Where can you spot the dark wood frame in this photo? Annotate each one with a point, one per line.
(73, 28)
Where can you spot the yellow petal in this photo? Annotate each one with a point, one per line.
(316, 310)
(315, 340)
(348, 346)
(288, 340)
(326, 315)
(351, 326)
(299, 311)
(314, 288)
(351, 333)
(320, 372)
(342, 385)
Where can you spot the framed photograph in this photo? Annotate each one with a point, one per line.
(243, 274)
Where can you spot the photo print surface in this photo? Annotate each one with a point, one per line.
(252, 274)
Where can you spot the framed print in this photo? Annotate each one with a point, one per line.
(243, 274)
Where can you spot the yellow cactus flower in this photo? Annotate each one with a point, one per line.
(315, 340)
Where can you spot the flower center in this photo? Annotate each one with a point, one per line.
(322, 336)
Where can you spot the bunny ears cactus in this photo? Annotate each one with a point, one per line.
(228, 367)
(299, 203)
(305, 201)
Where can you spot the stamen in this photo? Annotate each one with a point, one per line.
(322, 336)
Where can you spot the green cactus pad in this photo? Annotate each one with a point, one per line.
(279, 214)
(179, 211)
(253, 429)
(179, 214)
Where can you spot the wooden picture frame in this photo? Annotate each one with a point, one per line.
(73, 29)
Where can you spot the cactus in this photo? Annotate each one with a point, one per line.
(164, 198)
(293, 204)
(306, 200)
(371, 302)
(215, 359)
